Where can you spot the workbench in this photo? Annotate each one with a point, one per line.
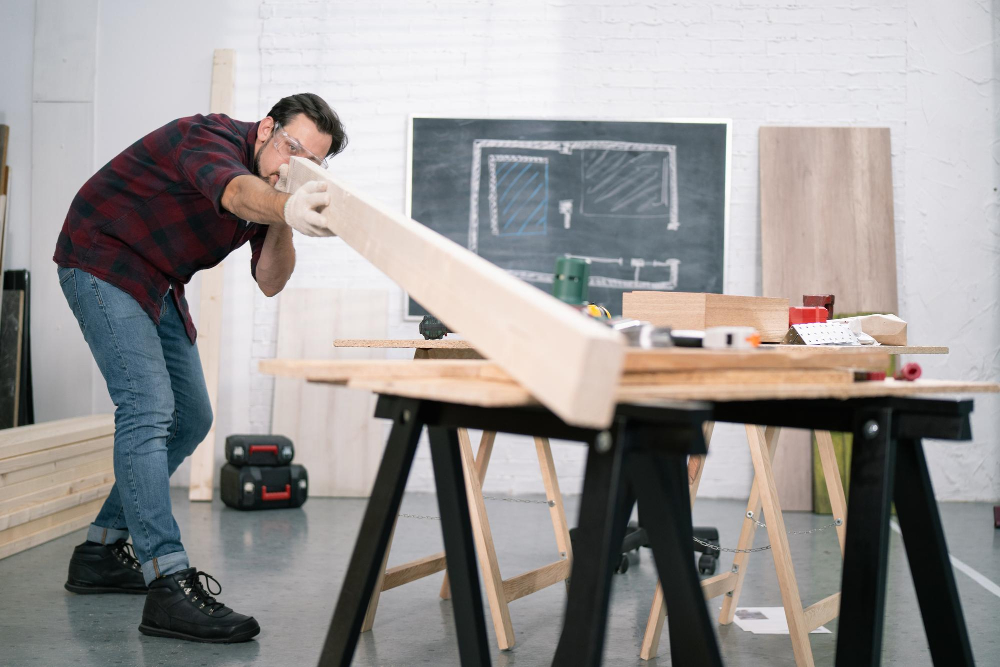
(643, 456)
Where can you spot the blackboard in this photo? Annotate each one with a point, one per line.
(646, 201)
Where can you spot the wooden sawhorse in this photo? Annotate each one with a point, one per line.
(763, 494)
(500, 592)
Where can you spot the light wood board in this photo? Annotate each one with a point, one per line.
(56, 477)
(54, 454)
(336, 436)
(543, 343)
(827, 216)
(57, 490)
(210, 312)
(41, 509)
(104, 453)
(39, 437)
(39, 531)
(405, 343)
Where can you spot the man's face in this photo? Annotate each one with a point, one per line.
(302, 133)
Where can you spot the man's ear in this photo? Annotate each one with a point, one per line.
(266, 126)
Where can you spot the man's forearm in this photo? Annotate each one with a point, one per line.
(252, 199)
(277, 259)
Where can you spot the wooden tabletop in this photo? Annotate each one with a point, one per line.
(459, 344)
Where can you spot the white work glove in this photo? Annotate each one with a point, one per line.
(282, 184)
(303, 207)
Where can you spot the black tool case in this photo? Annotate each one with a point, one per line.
(259, 450)
(257, 488)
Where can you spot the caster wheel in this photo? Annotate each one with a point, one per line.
(622, 564)
(707, 564)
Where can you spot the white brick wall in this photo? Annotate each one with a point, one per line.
(813, 62)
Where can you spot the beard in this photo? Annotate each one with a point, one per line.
(256, 166)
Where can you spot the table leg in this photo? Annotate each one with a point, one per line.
(604, 510)
(658, 610)
(927, 552)
(482, 462)
(866, 555)
(377, 593)
(834, 483)
(660, 485)
(373, 538)
(460, 552)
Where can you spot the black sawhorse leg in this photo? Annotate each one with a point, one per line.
(884, 469)
(647, 461)
(373, 539)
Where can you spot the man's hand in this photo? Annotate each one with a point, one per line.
(302, 209)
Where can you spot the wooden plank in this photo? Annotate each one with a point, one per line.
(827, 216)
(45, 535)
(17, 476)
(369, 621)
(84, 510)
(740, 376)
(687, 310)
(770, 356)
(417, 569)
(210, 311)
(343, 370)
(336, 436)
(404, 343)
(57, 491)
(38, 437)
(792, 467)
(38, 510)
(822, 612)
(535, 580)
(718, 585)
(55, 478)
(543, 343)
(34, 459)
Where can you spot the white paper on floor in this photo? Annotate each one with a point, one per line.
(766, 621)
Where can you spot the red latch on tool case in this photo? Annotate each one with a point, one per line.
(264, 448)
(276, 495)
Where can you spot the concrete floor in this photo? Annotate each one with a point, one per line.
(286, 566)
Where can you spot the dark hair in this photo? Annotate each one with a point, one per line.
(318, 111)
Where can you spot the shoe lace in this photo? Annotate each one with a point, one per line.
(204, 591)
(126, 553)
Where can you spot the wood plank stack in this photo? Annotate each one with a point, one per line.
(697, 310)
(54, 477)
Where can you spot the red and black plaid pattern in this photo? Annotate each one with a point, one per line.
(153, 216)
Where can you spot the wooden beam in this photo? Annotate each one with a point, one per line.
(39, 531)
(18, 476)
(54, 454)
(535, 580)
(768, 356)
(36, 437)
(38, 510)
(417, 569)
(56, 477)
(57, 490)
(822, 612)
(544, 344)
(210, 312)
(718, 585)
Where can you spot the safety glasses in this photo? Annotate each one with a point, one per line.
(288, 146)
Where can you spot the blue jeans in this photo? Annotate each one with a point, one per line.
(162, 413)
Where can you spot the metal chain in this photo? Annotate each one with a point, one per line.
(749, 515)
(509, 500)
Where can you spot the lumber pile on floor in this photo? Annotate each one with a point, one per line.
(54, 478)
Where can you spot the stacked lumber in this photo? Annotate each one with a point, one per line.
(54, 477)
(697, 310)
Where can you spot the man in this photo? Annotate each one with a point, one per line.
(176, 201)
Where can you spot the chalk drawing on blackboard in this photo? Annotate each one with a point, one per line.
(618, 179)
(518, 194)
(673, 265)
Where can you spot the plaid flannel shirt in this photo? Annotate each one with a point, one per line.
(152, 216)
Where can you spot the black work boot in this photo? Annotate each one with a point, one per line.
(179, 606)
(105, 568)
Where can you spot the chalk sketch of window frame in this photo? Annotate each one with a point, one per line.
(493, 198)
(565, 148)
(668, 172)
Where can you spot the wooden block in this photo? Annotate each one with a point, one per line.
(54, 454)
(546, 345)
(101, 453)
(336, 436)
(886, 329)
(38, 437)
(826, 216)
(690, 310)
